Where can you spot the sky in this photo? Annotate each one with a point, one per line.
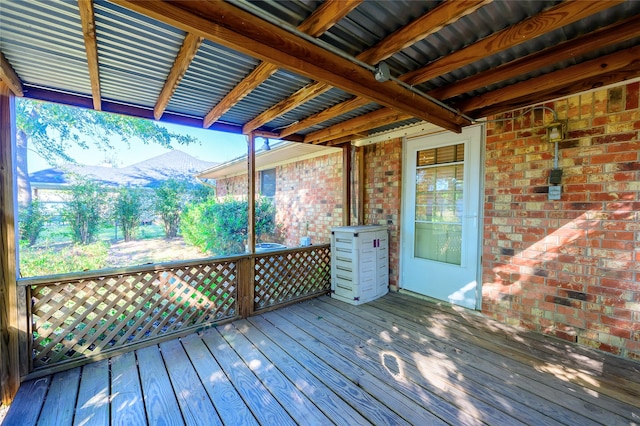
(215, 146)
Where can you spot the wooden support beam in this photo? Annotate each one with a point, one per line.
(308, 92)
(323, 18)
(374, 119)
(616, 33)
(429, 23)
(325, 115)
(9, 76)
(549, 20)
(346, 184)
(528, 92)
(242, 89)
(360, 184)
(418, 29)
(251, 177)
(327, 15)
(185, 56)
(223, 23)
(9, 321)
(87, 19)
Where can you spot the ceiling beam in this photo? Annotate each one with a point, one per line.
(419, 29)
(327, 15)
(429, 23)
(308, 92)
(616, 33)
(623, 63)
(9, 76)
(88, 21)
(185, 56)
(324, 115)
(262, 72)
(227, 25)
(378, 118)
(549, 20)
(323, 18)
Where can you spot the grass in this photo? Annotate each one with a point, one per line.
(63, 259)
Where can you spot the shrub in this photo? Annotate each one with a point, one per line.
(83, 210)
(31, 222)
(170, 201)
(221, 227)
(128, 211)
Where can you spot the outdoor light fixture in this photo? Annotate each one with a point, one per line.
(382, 72)
(556, 131)
(265, 145)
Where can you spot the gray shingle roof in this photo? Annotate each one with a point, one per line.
(148, 173)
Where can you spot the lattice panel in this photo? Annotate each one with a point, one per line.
(287, 276)
(88, 316)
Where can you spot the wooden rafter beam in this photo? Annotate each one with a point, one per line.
(324, 115)
(549, 20)
(429, 23)
(262, 72)
(609, 69)
(616, 33)
(323, 18)
(444, 14)
(88, 21)
(380, 117)
(308, 92)
(9, 77)
(327, 15)
(227, 25)
(185, 56)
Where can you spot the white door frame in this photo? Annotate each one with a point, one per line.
(480, 219)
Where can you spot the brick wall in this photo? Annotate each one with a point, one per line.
(383, 175)
(308, 197)
(567, 268)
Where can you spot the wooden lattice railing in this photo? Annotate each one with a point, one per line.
(285, 276)
(86, 316)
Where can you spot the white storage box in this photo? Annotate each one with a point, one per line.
(359, 263)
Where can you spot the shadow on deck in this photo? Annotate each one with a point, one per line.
(396, 360)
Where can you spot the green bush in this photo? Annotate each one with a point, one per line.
(73, 258)
(84, 209)
(31, 222)
(170, 201)
(128, 211)
(221, 228)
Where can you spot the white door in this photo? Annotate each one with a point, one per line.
(440, 220)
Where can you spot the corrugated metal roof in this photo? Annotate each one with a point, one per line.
(43, 42)
(45, 45)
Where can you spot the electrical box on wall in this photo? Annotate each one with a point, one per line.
(555, 192)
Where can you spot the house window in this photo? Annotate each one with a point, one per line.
(268, 183)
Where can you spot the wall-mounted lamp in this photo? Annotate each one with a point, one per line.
(556, 131)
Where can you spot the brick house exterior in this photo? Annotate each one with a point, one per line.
(567, 268)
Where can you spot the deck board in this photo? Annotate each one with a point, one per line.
(127, 406)
(396, 360)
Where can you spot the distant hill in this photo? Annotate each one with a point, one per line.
(148, 173)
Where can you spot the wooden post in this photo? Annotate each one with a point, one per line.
(246, 269)
(251, 175)
(9, 335)
(361, 184)
(346, 184)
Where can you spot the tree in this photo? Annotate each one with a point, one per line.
(51, 129)
(170, 201)
(128, 211)
(84, 209)
(31, 222)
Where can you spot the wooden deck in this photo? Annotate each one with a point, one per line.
(397, 360)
